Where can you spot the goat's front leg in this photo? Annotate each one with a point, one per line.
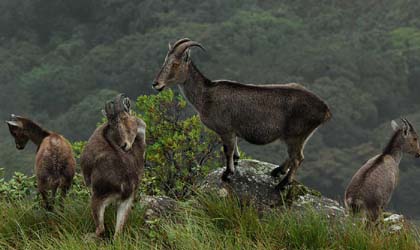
(98, 206)
(236, 154)
(228, 149)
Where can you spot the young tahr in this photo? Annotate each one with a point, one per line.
(54, 162)
(112, 162)
(371, 188)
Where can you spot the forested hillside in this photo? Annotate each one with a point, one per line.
(60, 60)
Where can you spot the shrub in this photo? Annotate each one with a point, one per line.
(180, 150)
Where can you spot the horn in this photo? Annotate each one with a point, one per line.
(178, 43)
(409, 124)
(122, 103)
(179, 51)
(126, 104)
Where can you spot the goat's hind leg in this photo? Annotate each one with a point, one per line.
(123, 211)
(63, 195)
(98, 206)
(282, 169)
(295, 151)
(43, 190)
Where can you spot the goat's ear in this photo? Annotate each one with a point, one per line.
(395, 125)
(15, 124)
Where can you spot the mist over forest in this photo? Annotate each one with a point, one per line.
(59, 64)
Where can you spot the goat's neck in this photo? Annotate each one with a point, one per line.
(394, 147)
(195, 86)
(35, 133)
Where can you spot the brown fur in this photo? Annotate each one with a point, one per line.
(260, 114)
(54, 162)
(371, 188)
(112, 170)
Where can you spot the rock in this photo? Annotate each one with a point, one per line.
(157, 206)
(394, 222)
(252, 182)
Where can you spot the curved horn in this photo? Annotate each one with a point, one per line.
(408, 123)
(180, 49)
(126, 104)
(183, 40)
(121, 103)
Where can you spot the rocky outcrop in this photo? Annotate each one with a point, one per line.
(252, 182)
(157, 206)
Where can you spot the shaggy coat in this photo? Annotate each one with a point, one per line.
(54, 161)
(371, 188)
(112, 164)
(260, 114)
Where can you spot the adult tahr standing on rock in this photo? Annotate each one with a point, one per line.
(113, 162)
(371, 188)
(54, 161)
(260, 114)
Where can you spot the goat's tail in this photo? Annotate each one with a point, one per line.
(328, 115)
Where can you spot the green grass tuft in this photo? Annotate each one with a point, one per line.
(206, 222)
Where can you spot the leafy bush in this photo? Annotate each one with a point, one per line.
(180, 150)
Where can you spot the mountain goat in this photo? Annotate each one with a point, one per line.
(260, 114)
(54, 161)
(371, 188)
(113, 162)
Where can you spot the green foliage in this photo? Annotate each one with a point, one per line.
(77, 148)
(180, 150)
(19, 187)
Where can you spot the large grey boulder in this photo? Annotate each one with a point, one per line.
(252, 182)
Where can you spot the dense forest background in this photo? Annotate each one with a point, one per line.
(60, 60)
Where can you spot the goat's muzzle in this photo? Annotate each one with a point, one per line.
(126, 147)
(417, 155)
(19, 147)
(158, 86)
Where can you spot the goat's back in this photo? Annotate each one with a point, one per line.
(280, 110)
(109, 170)
(373, 184)
(54, 162)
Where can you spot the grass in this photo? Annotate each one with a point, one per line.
(205, 222)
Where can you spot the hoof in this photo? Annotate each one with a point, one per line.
(276, 172)
(226, 176)
(236, 160)
(283, 184)
(281, 170)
